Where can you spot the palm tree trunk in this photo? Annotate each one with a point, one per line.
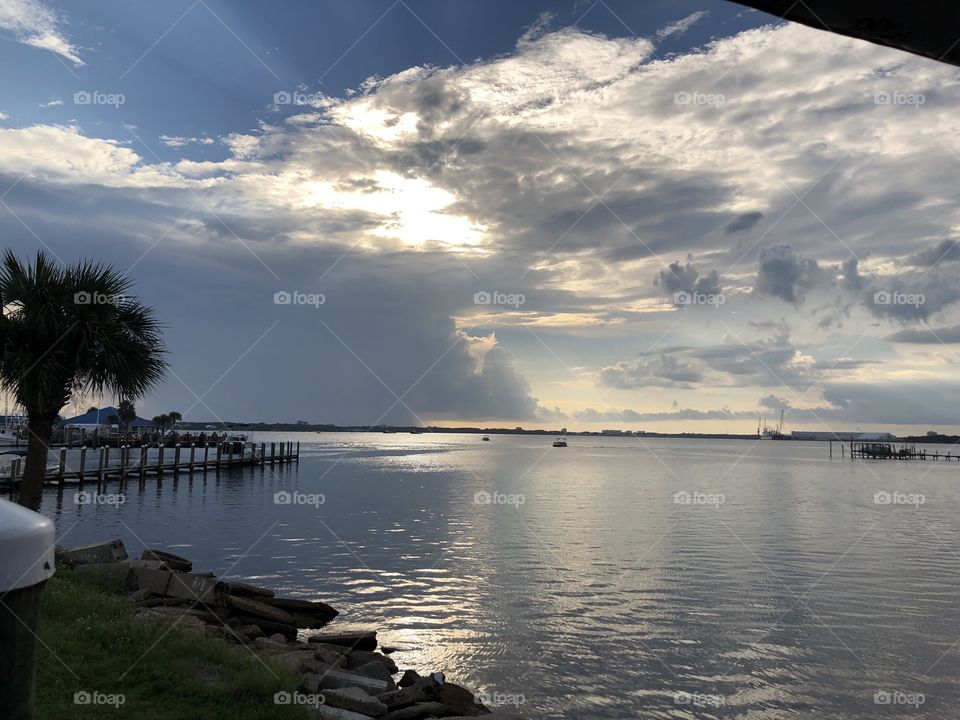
(40, 430)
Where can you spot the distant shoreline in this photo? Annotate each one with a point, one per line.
(433, 430)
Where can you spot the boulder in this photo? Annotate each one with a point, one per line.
(352, 640)
(355, 700)
(335, 679)
(251, 632)
(375, 670)
(409, 678)
(328, 713)
(243, 589)
(102, 552)
(306, 613)
(255, 608)
(287, 632)
(113, 574)
(152, 580)
(415, 712)
(174, 562)
(422, 690)
(460, 701)
(356, 658)
(196, 587)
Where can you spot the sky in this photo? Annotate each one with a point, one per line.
(663, 215)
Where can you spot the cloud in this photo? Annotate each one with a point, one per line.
(660, 370)
(176, 141)
(33, 23)
(681, 26)
(927, 336)
(784, 275)
(942, 252)
(743, 222)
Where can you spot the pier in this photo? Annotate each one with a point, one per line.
(894, 451)
(102, 464)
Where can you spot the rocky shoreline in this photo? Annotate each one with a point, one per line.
(342, 674)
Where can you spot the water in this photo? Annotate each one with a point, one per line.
(587, 588)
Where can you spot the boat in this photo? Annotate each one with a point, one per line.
(485, 438)
(560, 442)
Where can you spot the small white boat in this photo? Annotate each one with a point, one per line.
(560, 442)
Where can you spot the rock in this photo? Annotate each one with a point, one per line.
(328, 713)
(243, 589)
(415, 712)
(386, 650)
(299, 662)
(196, 587)
(150, 579)
(174, 562)
(422, 690)
(356, 700)
(140, 595)
(278, 638)
(375, 670)
(460, 701)
(102, 552)
(255, 608)
(111, 573)
(60, 557)
(352, 640)
(409, 678)
(306, 614)
(335, 679)
(251, 632)
(270, 645)
(330, 654)
(356, 658)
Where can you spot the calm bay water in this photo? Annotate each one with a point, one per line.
(615, 578)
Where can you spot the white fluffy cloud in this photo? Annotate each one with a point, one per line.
(33, 23)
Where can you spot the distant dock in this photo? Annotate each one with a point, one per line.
(873, 450)
(103, 464)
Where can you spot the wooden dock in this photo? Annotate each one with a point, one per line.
(97, 465)
(889, 450)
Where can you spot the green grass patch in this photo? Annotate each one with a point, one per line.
(90, 643)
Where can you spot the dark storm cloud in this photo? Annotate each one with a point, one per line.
(663, 370)
(943, 252)
(784, 275)
(927, 336)
(743, 223)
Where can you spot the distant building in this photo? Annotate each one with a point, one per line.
(840, 436)
(611, 432)
(518, 428)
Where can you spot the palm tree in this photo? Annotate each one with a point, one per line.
(126, 414)
(66, 330)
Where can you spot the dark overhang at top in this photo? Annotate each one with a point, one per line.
(925, 27)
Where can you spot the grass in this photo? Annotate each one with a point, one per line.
(90, 642)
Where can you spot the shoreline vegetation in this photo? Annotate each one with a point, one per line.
(152, 638)
(301, 426)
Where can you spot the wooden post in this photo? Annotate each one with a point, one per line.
(83, 463)
(206, 455)
(159, 460)
(100, 461)
(219, 454)
(143, 462)
(61, 465)
(263, 454)
(124, 456)
(273, 453)
(106, 458)
(298, 452)
(193, 450)
(176, 460)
